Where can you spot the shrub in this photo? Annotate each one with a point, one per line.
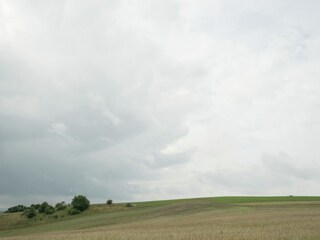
(61, 206)
(18, 208)
(129, 205)
(73, 211)
(80, 203)
(35, 206)
(109, 202)
(43, 207)
(30, 213)
(49, 210)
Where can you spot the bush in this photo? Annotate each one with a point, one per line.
(129, 205)
(49, 210)
(80, 203)
(61, 206)
(30, 213)
(109, 202)
(43, 207)
(73, 211)
(18, 208)
(35, 206)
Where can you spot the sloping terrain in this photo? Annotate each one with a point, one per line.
(203, 218)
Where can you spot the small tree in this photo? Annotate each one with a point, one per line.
(73, 211)
(18, 208)
(61, 205)
(30, 213)
(43, 207)
(35, 206)
(49, 210)
(80, 203)
(109, 202)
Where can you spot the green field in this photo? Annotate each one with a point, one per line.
(203, 218)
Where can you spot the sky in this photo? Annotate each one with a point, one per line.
(137, 100)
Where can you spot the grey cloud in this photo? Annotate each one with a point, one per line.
(123, 98)
(13, 128)
(249, 182)
(160, 160)
(284, 165)
(276, 171)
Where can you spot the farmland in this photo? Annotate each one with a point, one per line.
(203, 218)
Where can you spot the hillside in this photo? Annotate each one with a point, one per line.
(203, 218)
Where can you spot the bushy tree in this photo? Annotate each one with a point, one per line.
(43, 207)
(49, 210)
(18, 208)
(109, 202)
(61, 205)
(73, 211)
(35, 206)
(30, 213)
(80, 203)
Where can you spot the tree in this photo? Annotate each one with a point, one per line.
(80, 203)
(49, 210)
(18, 208)
(30, 213)
(61, 205)
(35, 206)
(73, 211)
(43, 207)
(109, 202)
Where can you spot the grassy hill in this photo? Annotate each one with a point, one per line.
(203, 218)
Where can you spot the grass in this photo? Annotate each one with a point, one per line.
(204, 218)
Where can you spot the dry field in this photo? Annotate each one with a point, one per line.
(191, 219)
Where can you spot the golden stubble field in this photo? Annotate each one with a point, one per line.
(289, 221)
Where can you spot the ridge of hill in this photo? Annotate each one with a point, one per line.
(172, 216)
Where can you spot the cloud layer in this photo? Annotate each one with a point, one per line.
(137, 100)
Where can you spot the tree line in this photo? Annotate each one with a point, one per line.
(78, 204)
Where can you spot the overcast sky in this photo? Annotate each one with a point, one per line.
(138, 100)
